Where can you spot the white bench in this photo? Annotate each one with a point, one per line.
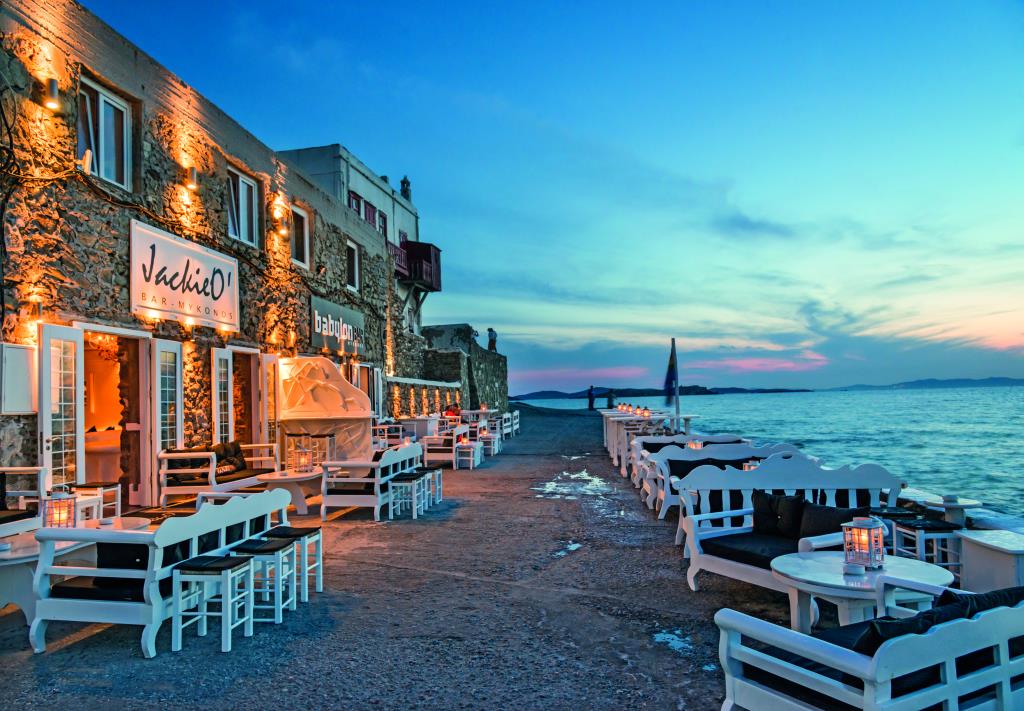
(787, 472)
(785, 669)
(661, 490)
(441, 449)
(139, 592)
(188, 479)
(366, 482)
(655, 443)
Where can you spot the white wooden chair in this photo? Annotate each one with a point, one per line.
(365, 483)
(190, 472)
(506, 425)
(442, 450)
(137, 592)
(515, 422)
(771, 667)
(662, 492)
(13, 521)
(790, 472)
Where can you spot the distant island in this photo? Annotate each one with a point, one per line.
(933, 383)
(647, 392)
(928, 383)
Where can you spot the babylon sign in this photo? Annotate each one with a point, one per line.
(336, 327)
(180, 280)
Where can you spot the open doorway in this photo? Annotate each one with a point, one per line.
(115, 398)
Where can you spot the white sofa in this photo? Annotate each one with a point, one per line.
(655, 443)
(958, 662)
(662, 493)
(789, 472)
(187, 472)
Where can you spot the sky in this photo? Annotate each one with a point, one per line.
(804, 194)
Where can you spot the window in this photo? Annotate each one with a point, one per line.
(104, 130)
(382, 223)
(369, 213)
(242, 220)
(300, 237)
(352, 266)
(403, 236)
(355, 202)
(168, 399)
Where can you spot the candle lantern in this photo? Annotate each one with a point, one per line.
(629, 409)
(464, 440)
(647, 412)
(58, 510)
(750, 466)
(408, 441)
(863, 544)
(695, 444)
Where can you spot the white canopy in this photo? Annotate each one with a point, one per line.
(317, 400)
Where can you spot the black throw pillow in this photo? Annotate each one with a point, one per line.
(818, 520)
(885, 628)
(1007, 597)
(777, 515)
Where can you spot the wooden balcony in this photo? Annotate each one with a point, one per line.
(401, 258)
(424, 266)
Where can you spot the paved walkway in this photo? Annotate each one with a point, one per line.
(541, 582)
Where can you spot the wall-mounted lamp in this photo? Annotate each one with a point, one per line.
(51, 99)
(191, 179)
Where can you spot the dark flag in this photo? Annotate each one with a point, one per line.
(672, 376)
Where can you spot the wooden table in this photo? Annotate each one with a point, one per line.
(820, 574)
(18, 565)
(295, 483)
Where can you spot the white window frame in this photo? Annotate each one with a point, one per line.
(253, 218)
(305, 237)
(359, 266)
(105, 95)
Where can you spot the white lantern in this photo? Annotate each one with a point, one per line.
(864, 544)
(58, 510)
(695, 444)
(750, 465)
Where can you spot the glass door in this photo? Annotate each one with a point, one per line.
(62, 403)
(223, 396)
(269, 408)
(167, 403)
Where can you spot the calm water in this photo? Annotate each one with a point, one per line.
(965, 440)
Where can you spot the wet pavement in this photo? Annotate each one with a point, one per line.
(540, 582)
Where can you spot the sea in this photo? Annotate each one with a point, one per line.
(965, 441)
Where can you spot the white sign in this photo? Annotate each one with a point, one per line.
(176, 279)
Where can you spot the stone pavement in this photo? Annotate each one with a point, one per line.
(540, 583)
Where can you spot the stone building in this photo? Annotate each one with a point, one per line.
(158, 259)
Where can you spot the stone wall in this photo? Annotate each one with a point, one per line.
(67, 236)
(487, 370)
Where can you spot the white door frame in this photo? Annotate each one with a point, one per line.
(48, 333)
(217, 355)
(159, 346)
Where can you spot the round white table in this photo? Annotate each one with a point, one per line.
(820, 574)
(295, 483)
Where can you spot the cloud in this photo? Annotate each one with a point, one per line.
(808, 360)
(738, 224)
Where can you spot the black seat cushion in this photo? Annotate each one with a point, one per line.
(254, 546)
(777, 515)
(817, 520)
(212, 564)
(113, 589)
(757, 549)
(880, 630)
(12, 515)
(682, 467)
(892, 512)
(929, 524)
(357, 489)
(406, 477)
(291, 531)
(427, 470)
